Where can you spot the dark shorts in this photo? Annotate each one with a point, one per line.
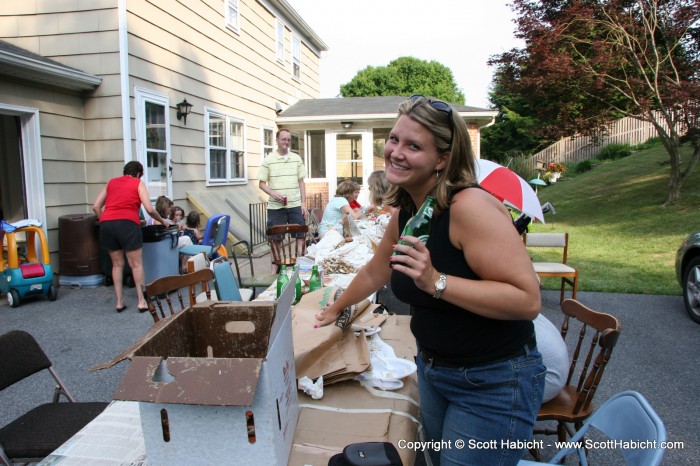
(291, 215)
(118, 235)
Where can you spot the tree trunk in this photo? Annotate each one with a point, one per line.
(675, 180)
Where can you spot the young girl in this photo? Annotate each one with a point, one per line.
(192, 228)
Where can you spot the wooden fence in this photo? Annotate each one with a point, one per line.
(577, 148)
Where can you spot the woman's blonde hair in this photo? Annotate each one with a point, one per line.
(450, 135)
(347, 188)
(378, 186)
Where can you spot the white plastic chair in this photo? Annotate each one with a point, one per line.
(625, 417)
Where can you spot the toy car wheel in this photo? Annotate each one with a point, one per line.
(53, 293)
(13, 298)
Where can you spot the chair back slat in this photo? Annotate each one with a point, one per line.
(283, 243)
(160, 290)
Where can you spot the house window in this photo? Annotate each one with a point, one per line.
(280, 41)
(316, 162)
(232, 15)
(226, 148)
(296, 58)
(268, 141)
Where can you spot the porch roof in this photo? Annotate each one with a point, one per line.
(364, 108)
(23, 64)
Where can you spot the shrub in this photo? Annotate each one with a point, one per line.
(648, 144)
(615, 151)
(583, 166)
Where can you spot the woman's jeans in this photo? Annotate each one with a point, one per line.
(485, 410)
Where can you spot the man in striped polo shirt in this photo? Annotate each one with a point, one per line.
(282, 178)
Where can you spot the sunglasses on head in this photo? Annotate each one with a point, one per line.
(441, 106)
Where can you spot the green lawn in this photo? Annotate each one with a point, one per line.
(621, 238)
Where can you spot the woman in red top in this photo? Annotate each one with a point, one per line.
(117, 208)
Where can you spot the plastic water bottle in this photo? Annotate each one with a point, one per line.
(315, 280)
(282, 280)
(419, 224)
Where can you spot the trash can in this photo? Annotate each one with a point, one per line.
(79, 251)
(161, 255)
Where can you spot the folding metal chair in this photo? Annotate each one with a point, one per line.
(37, 433)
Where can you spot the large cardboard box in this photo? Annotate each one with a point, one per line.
(216, 384)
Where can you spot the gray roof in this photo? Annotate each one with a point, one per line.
(23, 64)
(356, 106)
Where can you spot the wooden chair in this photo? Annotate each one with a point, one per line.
(283, 243)
(37, 433)
(568, 274)
(592, 348)
(314, 220)
(160, 290)
(242, 255)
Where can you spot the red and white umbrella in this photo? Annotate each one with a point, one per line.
(509, 188)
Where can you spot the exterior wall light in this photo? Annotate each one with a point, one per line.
(183, 109)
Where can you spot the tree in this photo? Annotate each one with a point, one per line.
(588, 62)
(515, 132)
(405, 76)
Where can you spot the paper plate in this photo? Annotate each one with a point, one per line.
(395, 368)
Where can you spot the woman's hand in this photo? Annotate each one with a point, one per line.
(415, 262)
(326, 316)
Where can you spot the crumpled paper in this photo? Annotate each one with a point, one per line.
(311, 388)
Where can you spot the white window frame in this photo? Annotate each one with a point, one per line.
(279, 35)
(228, 119)
(232, 15)
(296, 57)
(263, 146)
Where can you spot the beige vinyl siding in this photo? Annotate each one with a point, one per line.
(179, 48)
(210, 65)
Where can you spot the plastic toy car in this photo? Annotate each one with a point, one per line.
(30, 274)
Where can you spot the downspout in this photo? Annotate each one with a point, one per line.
(124, 80)
(478, 129)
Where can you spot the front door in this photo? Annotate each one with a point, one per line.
(348, 165)
(153, 126)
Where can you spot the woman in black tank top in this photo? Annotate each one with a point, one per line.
(472, 290)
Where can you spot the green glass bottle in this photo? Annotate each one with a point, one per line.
(297, 285)
(282, 280)
(419, 224)
(315, 280)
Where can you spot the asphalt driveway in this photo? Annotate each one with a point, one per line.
(656, 355)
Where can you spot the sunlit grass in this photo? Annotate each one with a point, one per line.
(621, 238)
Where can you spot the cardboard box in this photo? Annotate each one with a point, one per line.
(216, 384)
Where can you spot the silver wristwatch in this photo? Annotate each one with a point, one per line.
(440, 286)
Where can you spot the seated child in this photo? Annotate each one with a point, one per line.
(192, 228)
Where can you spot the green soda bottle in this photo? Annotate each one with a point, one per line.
(282, 280)
(315, 280)
(297, 285)
(419, 224)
